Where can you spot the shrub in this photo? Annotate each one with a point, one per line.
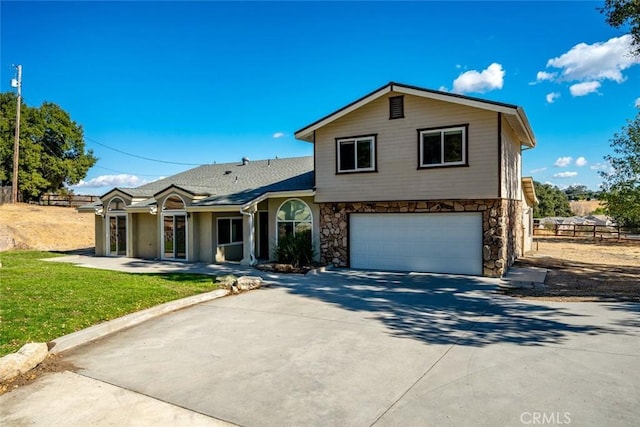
(295, 249)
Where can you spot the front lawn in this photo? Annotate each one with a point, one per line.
(40, 300)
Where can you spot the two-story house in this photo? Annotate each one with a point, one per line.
(403, 179)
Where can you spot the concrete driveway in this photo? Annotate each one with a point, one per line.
(361, 348)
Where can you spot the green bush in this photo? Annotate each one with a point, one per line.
(295, 249)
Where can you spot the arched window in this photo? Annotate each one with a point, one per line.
(174, 226)
(294, 216)
(173, 203)
(116, 204)
(117, 228)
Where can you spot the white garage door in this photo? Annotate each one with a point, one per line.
(433, 242)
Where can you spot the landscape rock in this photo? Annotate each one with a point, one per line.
(226, 282)
(247, 283)
(27, 358)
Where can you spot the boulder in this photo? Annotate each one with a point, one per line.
(226, 282)
(27, 358)
(247, 283)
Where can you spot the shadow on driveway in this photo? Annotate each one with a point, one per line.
(444, 309)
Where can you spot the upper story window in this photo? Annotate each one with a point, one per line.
(443, 146)
(396, 107)
(356, 154)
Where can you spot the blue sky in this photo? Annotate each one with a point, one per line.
(205, 82)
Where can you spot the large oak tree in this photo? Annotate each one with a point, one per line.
(52, 148)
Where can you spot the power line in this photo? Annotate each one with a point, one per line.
(137, 156)
(141, 157)
(128, 173)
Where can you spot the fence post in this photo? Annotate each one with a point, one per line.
(574, 230)
(618, 233)
(594, 232)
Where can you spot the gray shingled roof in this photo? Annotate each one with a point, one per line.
(234, 183)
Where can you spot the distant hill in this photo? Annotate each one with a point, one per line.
(50, 228)
(583, 207)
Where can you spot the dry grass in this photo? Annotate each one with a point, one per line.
(48, 228)
(583, 207)
(586, 270)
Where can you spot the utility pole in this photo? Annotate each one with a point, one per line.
(16, 143)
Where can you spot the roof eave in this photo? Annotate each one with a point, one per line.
(306, 133)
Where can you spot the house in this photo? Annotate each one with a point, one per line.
(212, 213)
(404, 178)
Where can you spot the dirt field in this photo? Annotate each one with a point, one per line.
(50, 228)
(584, 270)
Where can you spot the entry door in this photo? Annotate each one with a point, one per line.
(263, 235)
(117, 235)
(175, 236)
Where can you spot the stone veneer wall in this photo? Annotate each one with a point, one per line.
(501, 224)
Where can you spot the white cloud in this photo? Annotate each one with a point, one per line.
(537, 170)
(483, 81)
(597, 61)
(606, 167)
(637, 103)
(585, 88)
(565, 174)
(278, 135)
(543, 75)
(443, 89)
(551, 97)
(581, 161)
(563, 161)
(122, 180)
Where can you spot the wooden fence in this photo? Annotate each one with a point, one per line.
(588, 231)
(71, 200)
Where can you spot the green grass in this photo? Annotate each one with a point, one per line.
(40, 300)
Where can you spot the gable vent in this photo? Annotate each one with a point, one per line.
(396, 107)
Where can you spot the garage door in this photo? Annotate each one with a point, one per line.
(434, 242)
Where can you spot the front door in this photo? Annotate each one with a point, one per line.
(263, 235)
(117, 235)
(175, 237)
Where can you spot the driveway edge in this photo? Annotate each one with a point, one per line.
(100, 330)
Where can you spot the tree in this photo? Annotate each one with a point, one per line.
(52, 149)
(620, 13)
(551, 201)
(621, 186)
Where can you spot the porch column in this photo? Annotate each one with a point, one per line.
(248, 238)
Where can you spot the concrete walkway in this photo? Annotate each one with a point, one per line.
(354, 348)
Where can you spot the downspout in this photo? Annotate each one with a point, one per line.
(252, 256)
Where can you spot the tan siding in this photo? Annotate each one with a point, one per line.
(397, 154)
(145, 235)
(511, 164)
(204, 233)
(100, 236)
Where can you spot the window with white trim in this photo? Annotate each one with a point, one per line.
(293, 217)
(443, 147)
(356, 154)
(229, 231)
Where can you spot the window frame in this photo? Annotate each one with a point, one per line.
(293, 222)
(443, 129)
(354, 140)
(231, 241)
